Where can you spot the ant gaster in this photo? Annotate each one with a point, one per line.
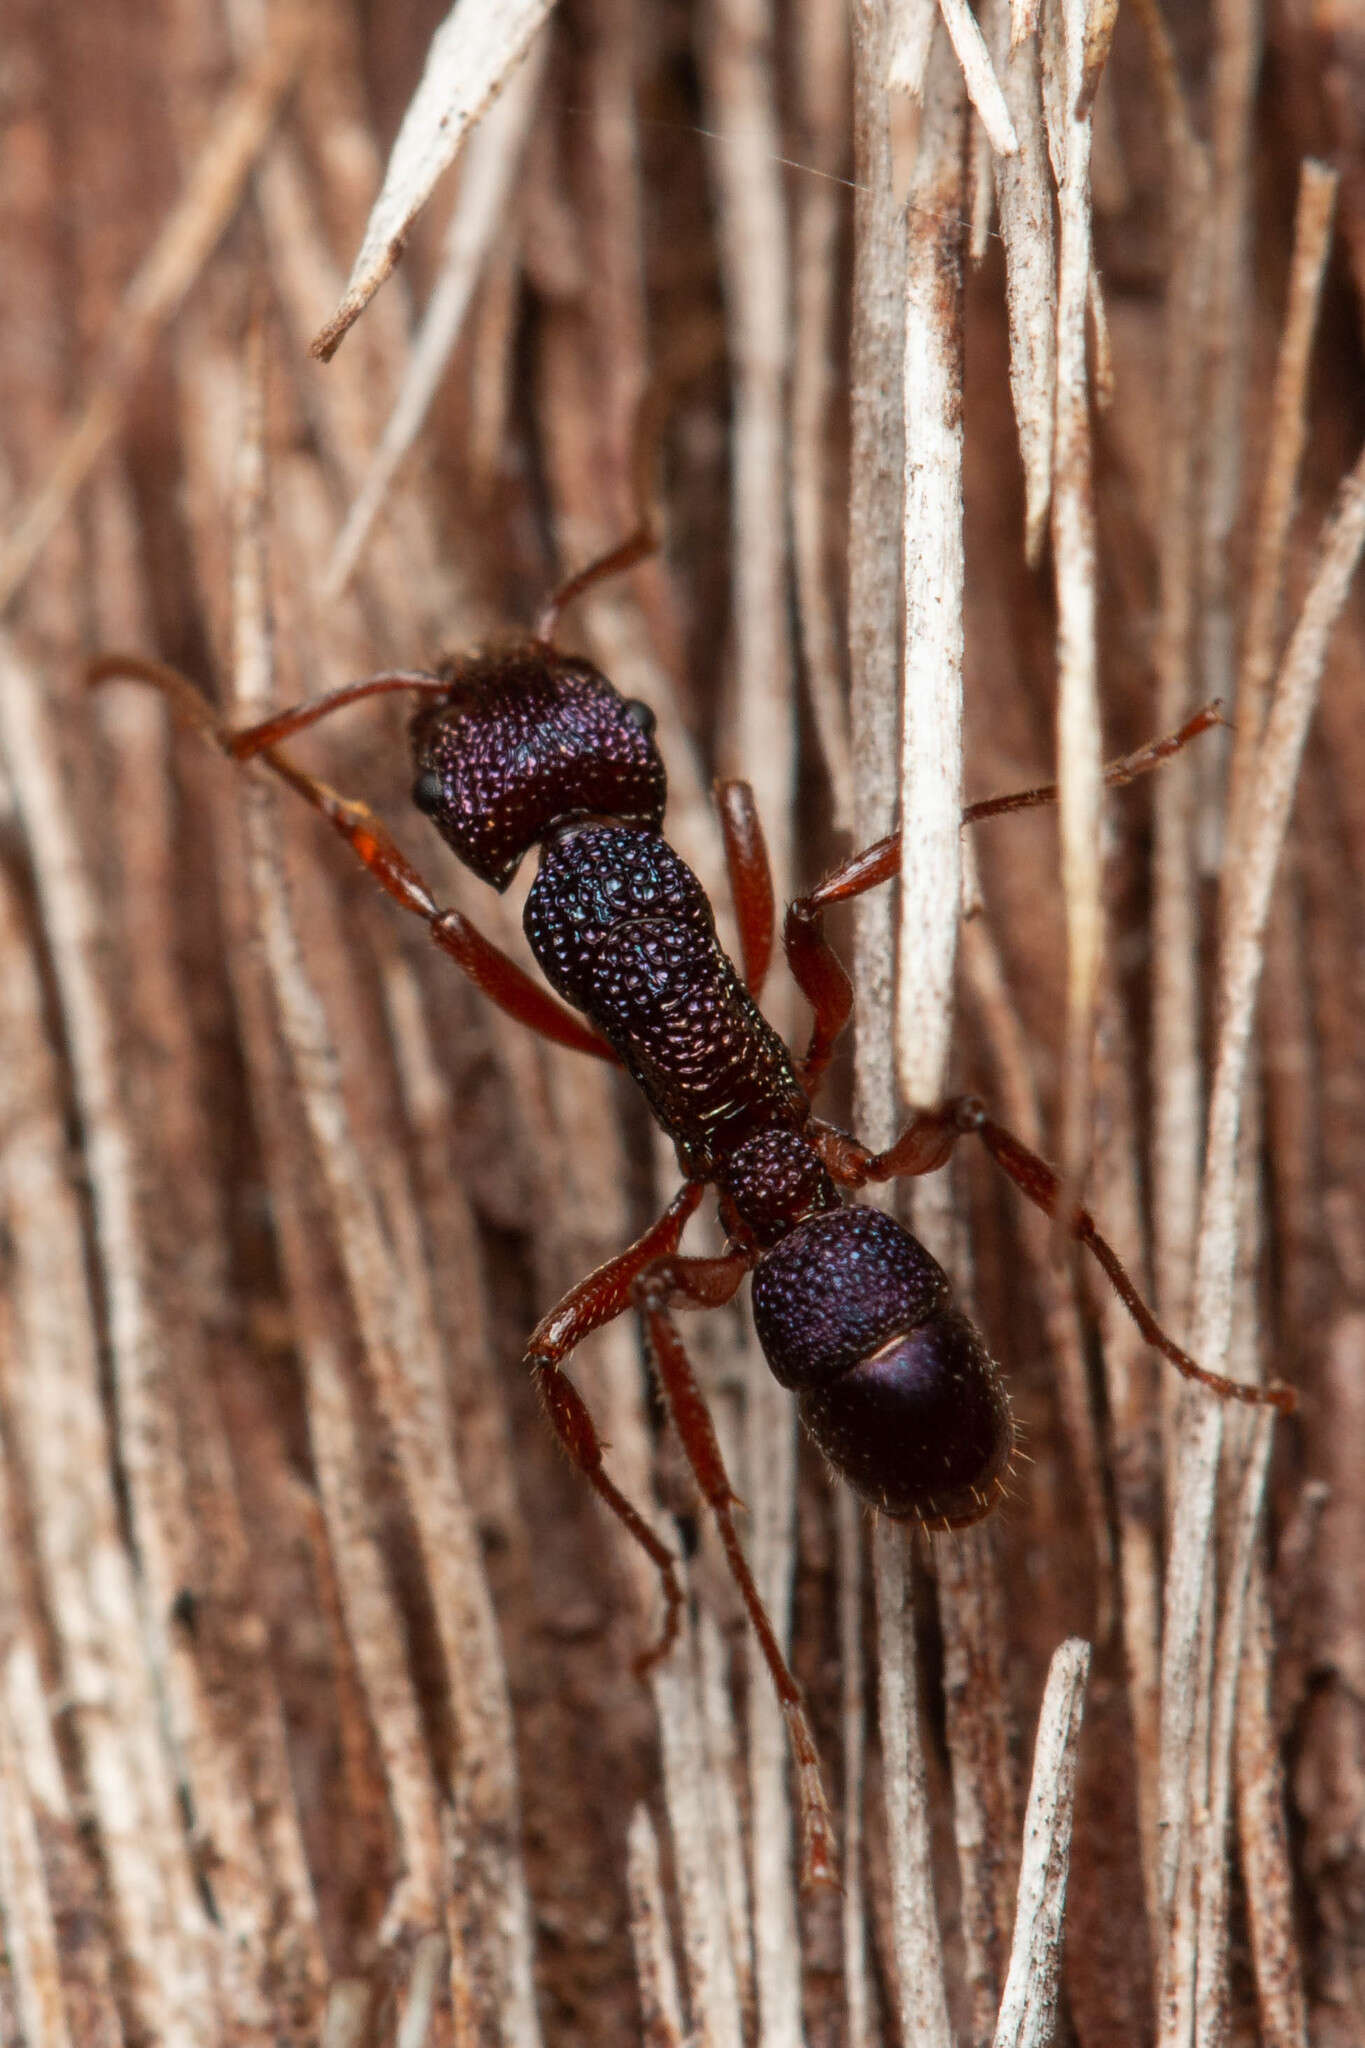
(531, 747)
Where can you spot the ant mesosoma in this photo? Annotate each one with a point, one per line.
(530, 747)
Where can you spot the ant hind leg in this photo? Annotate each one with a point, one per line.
(1042, 1185)
(926, 1144)
(709, 1283)
(577, 1432)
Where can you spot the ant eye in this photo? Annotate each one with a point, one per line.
(428, 791)
(640, 714)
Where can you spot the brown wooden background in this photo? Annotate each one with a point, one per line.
(292, 1571)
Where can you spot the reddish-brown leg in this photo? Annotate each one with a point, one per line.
(816, 968)
(751, 880)
(487, 966)
(709, 1283)
(590, 1305)
(926, 1143)
(577, 1432)
(1127, 768)
(606, 1292)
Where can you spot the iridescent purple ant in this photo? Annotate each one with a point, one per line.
(532, 747)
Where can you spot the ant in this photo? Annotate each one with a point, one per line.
(532, 747)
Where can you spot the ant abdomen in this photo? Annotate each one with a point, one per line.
(893, 1382)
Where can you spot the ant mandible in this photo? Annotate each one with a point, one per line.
(531, 747)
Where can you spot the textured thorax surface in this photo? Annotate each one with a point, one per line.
(622, 929)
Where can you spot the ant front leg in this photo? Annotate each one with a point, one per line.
(589, 1306)
(927, 1142)
(486, 965)
(710, 1283)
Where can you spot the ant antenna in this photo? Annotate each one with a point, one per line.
(696, 351)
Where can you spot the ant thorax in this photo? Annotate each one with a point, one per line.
(622, 928)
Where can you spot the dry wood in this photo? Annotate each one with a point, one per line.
(932, 550)
(317, 1717)
(472, 56)
(1026, 227)
(1028, 2008)
(1079, 751)
(237, 135)
(921, 1995)
(660, 2013)
(495, 152)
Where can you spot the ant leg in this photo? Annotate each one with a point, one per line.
(607, 1291)
(486, 965)
(1127, 768)
(751, 879)
(709, 1283)
(1042, 1185)
(587, 1307)
(926, 1143)
(816, 968)
(577, 1432)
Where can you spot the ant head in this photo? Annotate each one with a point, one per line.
(525, 742)
(894, 1384)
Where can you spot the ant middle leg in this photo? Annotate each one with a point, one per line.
(816, 967)
(606, 1292)
(710, 1283)
(927, 1142)
(751, 880)
(1127, 768)
(486, 965)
